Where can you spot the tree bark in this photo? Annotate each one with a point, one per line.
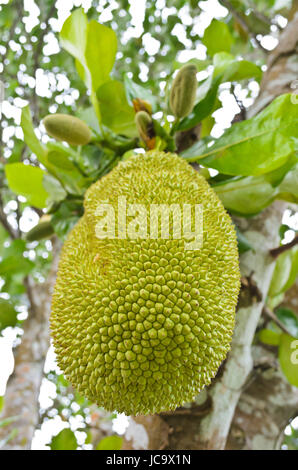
(282, 69)
(21, 397)
(235, 406)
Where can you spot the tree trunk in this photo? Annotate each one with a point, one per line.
(21, 397)
(247, 405)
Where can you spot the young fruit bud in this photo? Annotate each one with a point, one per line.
(145, 128)
(70, 129)
(141, 105)
(183, 92)
(43, 229)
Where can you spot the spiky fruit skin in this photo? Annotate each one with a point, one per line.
(67, 128)
(141, 326)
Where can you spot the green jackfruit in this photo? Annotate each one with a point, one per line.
(183, 91)
(67, 128)
(142, 325)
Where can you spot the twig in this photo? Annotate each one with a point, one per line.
(266, 311)
(275, 252)
(242, 114)
(5, 223)
(243, 23)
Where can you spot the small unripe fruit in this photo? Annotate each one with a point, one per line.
(183, 92)
(143, 122)
(67, 128)
(141, 105)
(43, 229)
(145, 128)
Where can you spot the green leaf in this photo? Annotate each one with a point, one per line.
(64, 165)
(65, 440)
(270, 337)
(16, 247)
(276, 177)
(285, 272)
(110, 443)
(66, 217)
(4, 235)
(133, 91)
(1, 405)
(255, 146)
(245, 196)
(89, 116)
(73, 35)
(232, 69)
(26, 180)
(217, 37)
(94, 47)
(100, 52)
(243, 243)
(8, 314)
(115, 110)
(288, 358)
(289, 319)
(61, 160)
(288, 189)
(30, 137)
(16, 265)
(56, 192)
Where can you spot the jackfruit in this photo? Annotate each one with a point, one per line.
(183, 91)
(67, 128)
(141, 325)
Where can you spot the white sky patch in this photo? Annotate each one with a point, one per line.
(151, 44)
(214, 8)
(137, 11)
(6, 343)
(47, 393)
(144, 72)
(28, 220)
(281, 20)
(52, 45)
(120, 423)
(42, 84)
(33, 18)
(269, 42)
(180, 32)
(49, 428)
(224, 115)
(198, 53)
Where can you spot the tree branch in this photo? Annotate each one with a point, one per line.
(5, 223)
(243, 23)
(275, 252)
(272, 316)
